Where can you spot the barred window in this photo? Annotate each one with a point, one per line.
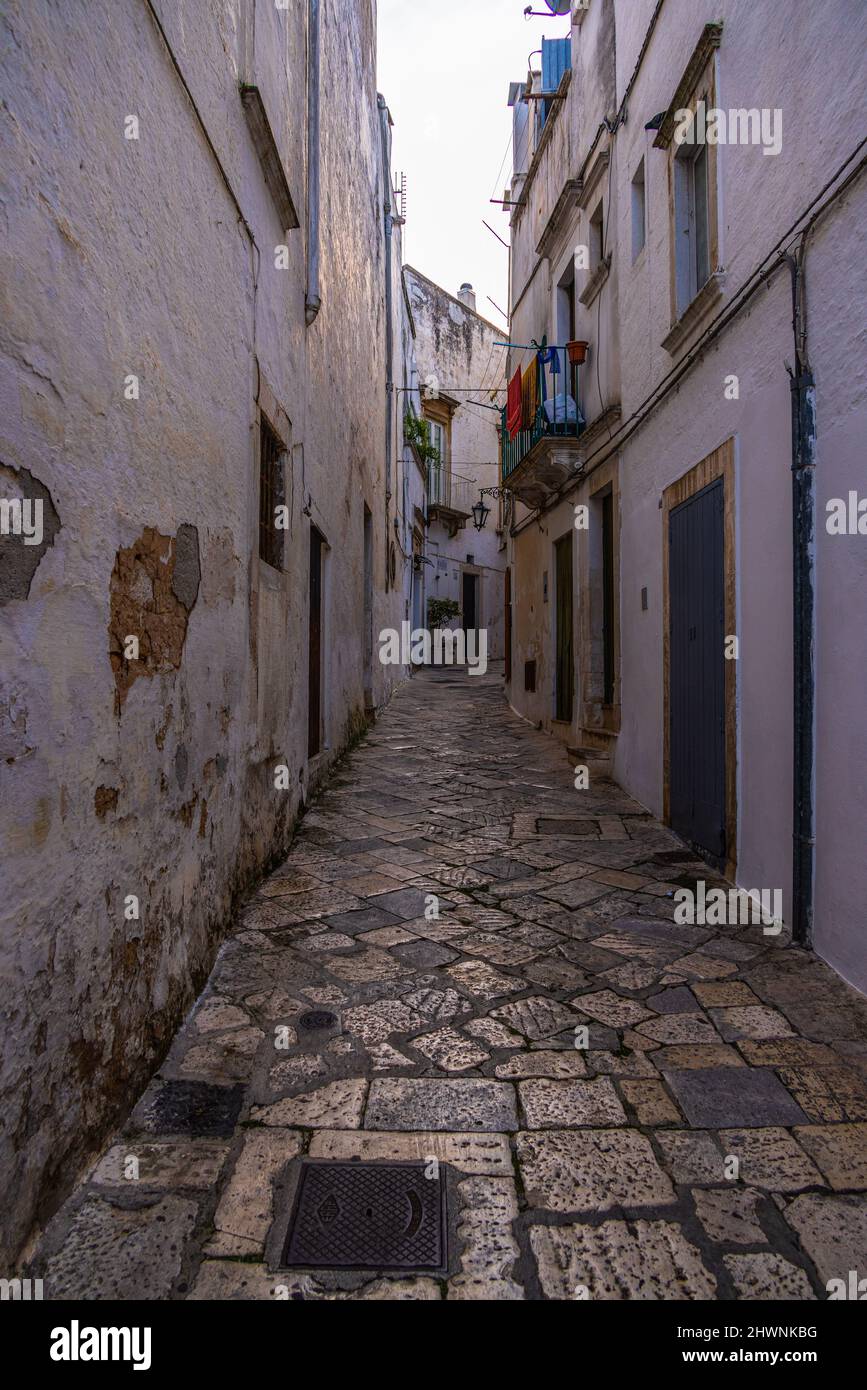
(271, 495)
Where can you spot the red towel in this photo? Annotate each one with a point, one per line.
(514, 407)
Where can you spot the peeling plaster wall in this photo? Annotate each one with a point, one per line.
(129, 257)
(456, 346)
(809, 67)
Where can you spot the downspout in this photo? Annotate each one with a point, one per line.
(804, 624)
(312, 302)
(389, 332)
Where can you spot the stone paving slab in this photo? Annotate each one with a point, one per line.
(647, 1260)
(476, 1154)
(727, 1096)
(619, 1103)
(406, 1103)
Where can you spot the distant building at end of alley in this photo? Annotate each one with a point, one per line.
(461, 377)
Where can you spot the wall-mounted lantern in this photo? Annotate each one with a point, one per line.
(480, 513)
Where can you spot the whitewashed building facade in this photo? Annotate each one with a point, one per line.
(687, 565)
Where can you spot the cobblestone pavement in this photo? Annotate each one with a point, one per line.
(606, 1168)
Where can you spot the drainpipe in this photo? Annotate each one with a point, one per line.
(389, 333)
(804, 585)
(312, 302)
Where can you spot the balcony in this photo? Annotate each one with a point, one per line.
(540, 458)
(450, 497)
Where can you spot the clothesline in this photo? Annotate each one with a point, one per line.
(549, 347)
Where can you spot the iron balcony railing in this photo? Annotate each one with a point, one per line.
(450, 490)
(557, 414)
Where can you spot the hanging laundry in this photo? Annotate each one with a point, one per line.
(551, 358)
(514, 407)
(529, 393)
(541, 358)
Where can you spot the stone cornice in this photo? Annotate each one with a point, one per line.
(569, 195)
(695, 312)
(711, 37)
(591, 179)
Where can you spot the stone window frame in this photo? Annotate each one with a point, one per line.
(439, 411)
(595, 197)
(699, 82)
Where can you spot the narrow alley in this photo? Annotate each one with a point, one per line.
(469, 964)
(433, 561)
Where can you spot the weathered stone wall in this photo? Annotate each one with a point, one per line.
(155, 258)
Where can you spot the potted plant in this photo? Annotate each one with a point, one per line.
(417, 433)
(440, 611)
(577, 351)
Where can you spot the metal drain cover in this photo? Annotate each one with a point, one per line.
(315, 1019)
(569, 829)
(383, 1216)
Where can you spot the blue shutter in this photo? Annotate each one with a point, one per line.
(521, 137)
(556, 58)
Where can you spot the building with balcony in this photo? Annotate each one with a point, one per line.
(679, 603)
(461, 378)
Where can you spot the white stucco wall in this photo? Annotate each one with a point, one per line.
(809, 68)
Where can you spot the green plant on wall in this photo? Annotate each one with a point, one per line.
(417, 433)
(440, 611)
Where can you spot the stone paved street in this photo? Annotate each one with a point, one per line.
(606, 1168)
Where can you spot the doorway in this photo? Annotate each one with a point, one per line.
(368, 607)
(470, 600)
(314, 655)
(565, 667)
(697, 670)
(507, 624)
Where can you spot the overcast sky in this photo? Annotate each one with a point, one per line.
(444, 69)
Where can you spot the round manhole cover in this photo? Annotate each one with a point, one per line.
(314, 1020)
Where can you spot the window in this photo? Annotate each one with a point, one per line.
(270, 495)
(697, 275)
(438, 440)
(556, 59)
(438, 468)
(638, 211)
(692, 241)
(566, 304)
(597, 232)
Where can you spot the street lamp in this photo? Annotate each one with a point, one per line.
(480, 513)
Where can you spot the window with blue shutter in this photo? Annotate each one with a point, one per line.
(556, 58)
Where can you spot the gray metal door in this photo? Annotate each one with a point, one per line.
(696, 575)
